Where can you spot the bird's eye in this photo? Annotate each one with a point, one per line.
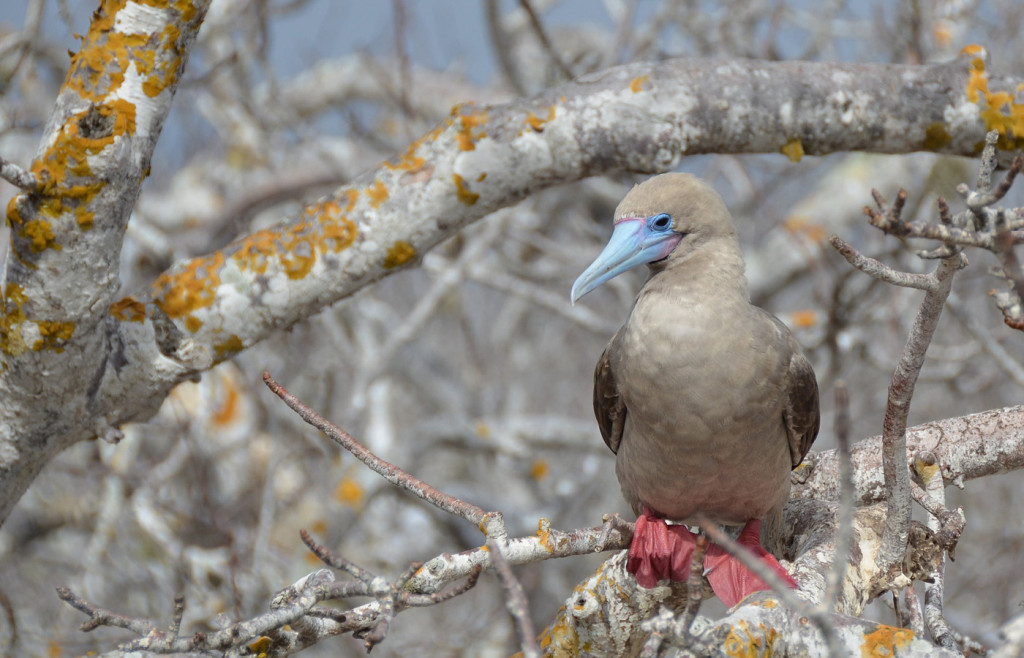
(660, 222)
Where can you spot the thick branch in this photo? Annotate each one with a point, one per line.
(967, 447)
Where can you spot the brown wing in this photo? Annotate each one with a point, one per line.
(802, 415)
(608, 405)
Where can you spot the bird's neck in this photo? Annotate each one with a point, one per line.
(713, 271)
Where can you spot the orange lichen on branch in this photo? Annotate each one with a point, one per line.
(40, 234)
(544, 535)
(325, 228)
(560, 638)
(462, 192)
(85, 133)
(537, 123)
(53, 335)
(12, 314)
(469, 121)
(1000, 111)
(106, 54)
(793, 149)
(743, 642)
(128, 310)
(636, 85)
(353, 195)
(378, 193)
(189, 288)
(884, 641)
(226, 348)
(398, 254)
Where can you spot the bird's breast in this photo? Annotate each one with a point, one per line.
(704, 426)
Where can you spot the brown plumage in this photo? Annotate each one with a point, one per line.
(706, 400)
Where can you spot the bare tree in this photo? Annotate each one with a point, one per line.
(471, 370)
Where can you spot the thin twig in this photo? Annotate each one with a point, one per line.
(515, 600)
(545, 42)
(844, 513)
(912, 611)
(894, 431)
(178, 615)
(18, 177)
(503, 48)
(695, 583)
(879, 270)
(488, 522)
(102, 617)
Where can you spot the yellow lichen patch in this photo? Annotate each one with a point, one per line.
(560, 638)
(482, 430)
(1000, 111)
(255, 251)
(793, 149)
(40, 233)
(884, 641)
(462, 192)
(469, 122)
(84, 134)
(299, 253)
(190, 287)
(349, 492)
(409, 160)
(378, 193)
(804, 319)
(225, 348)
(742, 642)
(925, 471)
(353, 196)
(544, 535)
(165, 74)
(12, 314)
(53, 335)
(261, 647)
(193, 324)
(128, 310)
(537, 123)
(325, 229)
(84, 218)
(399, 254)
(636, 85)
(539, 469)
(99, 67)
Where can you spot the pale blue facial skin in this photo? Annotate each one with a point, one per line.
(635, 241)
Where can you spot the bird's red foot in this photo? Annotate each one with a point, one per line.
(659, 550)
(730, 579)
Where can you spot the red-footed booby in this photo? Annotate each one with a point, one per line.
(707, 401)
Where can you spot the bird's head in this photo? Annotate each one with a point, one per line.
(662, 220)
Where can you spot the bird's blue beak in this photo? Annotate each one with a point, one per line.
(632, 243)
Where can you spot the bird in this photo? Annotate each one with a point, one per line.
(707, 401)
